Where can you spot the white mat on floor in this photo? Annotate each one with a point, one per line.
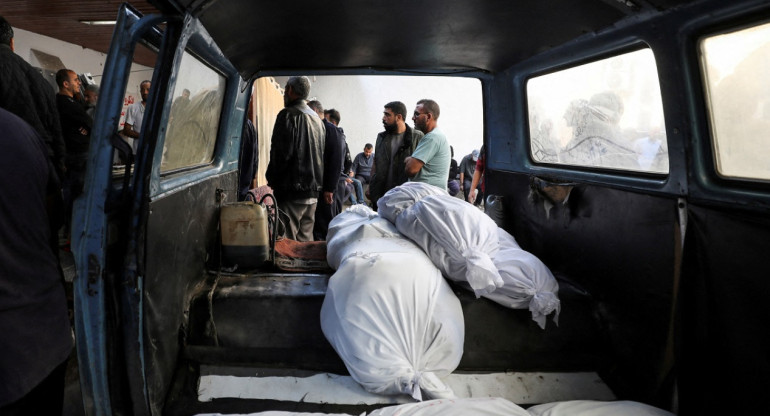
(277, 413)
(521, 388)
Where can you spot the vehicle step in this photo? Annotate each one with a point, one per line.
(294, 386)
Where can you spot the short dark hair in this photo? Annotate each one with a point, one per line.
(62, 75)
(397, 107)
(6, 32)
(368, 146)
(430, 106)
(316, 106)
(334, 115)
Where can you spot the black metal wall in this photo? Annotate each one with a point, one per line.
(182, 226)
(620, 247)
(724, 347)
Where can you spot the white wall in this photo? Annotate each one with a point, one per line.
(360, 101)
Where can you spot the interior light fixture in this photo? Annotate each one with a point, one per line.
(98, 22)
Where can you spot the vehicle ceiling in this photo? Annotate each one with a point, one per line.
(432, 35)
(274, 36)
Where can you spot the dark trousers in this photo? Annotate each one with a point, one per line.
(323, 215)
(72, 187)
(47, 398)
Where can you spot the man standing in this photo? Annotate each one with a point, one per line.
(36, 334)
(179, 107)
(429, 162)
(327, 209)
(362, 164)
(248, 157)
(24, 92)
(467, 168)
(346, 178)
(91, 96)
(135, 116)
(296, 170)
(391, 148)
(76, 128)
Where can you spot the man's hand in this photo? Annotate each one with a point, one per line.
(472, 195)
(348, 180)
(328, 197)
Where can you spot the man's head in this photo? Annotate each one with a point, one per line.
(425, 115)
(144, 90)
(393, 116)
(368, 150)
(475, 154)
(297, 88)
(333, 116)
(316, 106)
(68, 82)
(186, 93)
(6, 33)
(91, 94)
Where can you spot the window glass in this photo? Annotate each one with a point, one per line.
(144, 59)
(606, 114)
(193, 122)
(735, 66)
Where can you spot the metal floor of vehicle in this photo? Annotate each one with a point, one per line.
(256, 345)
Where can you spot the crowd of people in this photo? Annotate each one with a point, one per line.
(312, 175)
(46, 139)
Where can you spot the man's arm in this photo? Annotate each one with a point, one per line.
(332, 159)
(280, 150)
(413, 165)
(354, 166)
(422, 153)
(128, 130)
(128, 125)
(472, 193)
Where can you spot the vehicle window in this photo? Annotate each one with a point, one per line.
(605, 114)
(735, 69)
(194, 118)
(145, 56)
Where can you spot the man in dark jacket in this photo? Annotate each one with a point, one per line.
(327, 209)
(24, 92)
(393, 146)
(76, 127)
(36, 335)
(248, 158)
(295, 171)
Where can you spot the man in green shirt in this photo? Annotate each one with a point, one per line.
(429, 162)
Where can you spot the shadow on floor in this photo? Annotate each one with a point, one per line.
(73, 401)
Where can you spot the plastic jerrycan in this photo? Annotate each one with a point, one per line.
(245, 240)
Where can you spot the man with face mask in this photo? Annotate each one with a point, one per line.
(393, 145)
